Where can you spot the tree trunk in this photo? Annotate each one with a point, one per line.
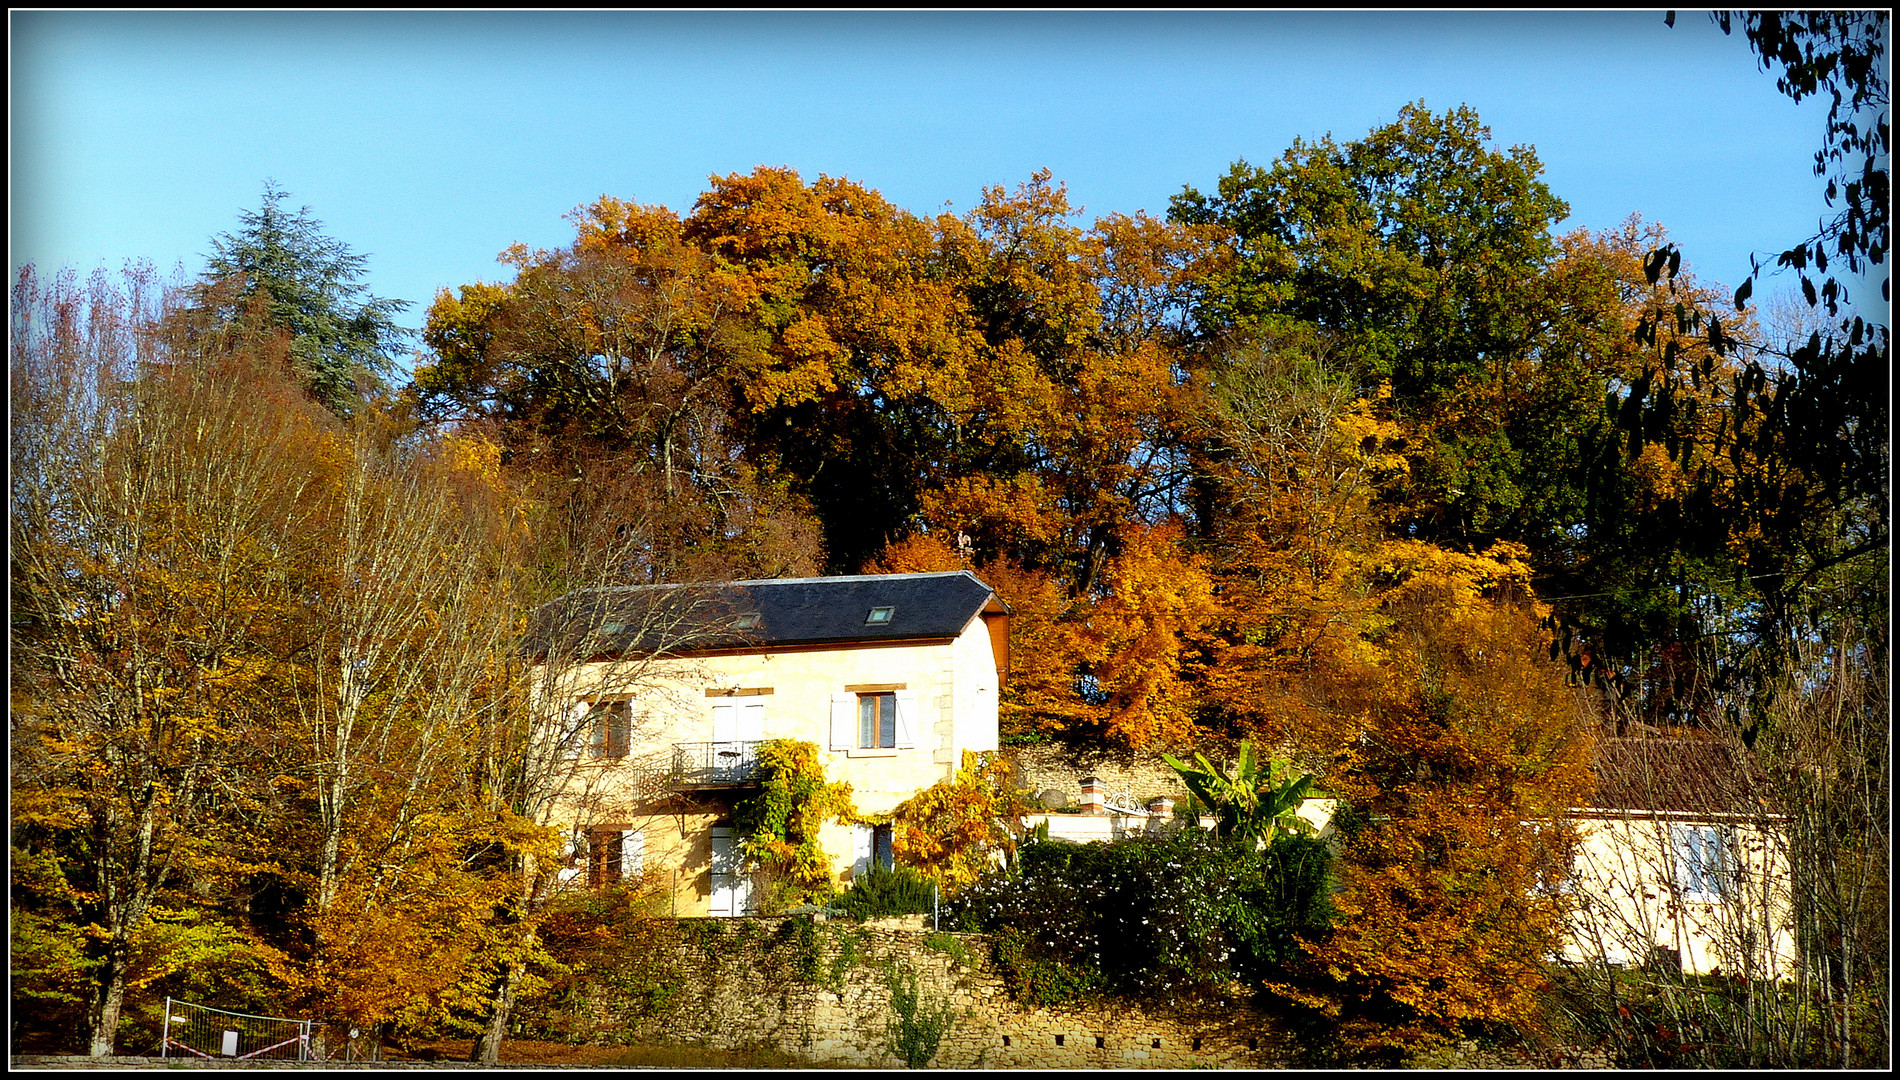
(108, 999)
(123, 912)
(487, 1049)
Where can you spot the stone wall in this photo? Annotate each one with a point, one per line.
(1062, 767)
(818, 991)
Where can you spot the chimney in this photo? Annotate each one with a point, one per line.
(1094, 795)
(1160, 810)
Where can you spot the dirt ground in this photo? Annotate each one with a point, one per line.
(528, 1052)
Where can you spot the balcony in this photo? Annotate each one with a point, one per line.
(715, 764)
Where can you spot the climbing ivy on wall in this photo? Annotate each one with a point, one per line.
(917, 1022)
(780, 823)
(953, 830)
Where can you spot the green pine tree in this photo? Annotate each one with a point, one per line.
(281, 265)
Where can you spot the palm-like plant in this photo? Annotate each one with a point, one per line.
(1254, 802)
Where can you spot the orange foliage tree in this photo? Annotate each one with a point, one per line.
(1468, 744)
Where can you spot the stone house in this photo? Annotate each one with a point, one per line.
(891, 676)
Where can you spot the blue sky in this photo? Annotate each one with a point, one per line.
(432, 141)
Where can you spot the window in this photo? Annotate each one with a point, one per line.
(877, 720)
(881, 853)
(1555, 854)
(1704, 860)
(737, 732)
(879, 616)
(874, 719)
(871, 847)
(614, 855)
(609, 729)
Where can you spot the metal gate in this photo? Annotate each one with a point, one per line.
(202, 1031)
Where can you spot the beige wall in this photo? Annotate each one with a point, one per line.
(955, 691)
(1088, 828)
(1627, 902)
(975, 689)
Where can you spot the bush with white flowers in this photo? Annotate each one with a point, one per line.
(1157, 917)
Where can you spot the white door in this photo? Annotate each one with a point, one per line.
(737, 732)
(731, 890)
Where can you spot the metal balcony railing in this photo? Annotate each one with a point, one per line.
(709, 764)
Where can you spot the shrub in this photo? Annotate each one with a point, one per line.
(780, 822)
(879, 892)
(950, 945)
(1181, 914)
(608, 940)
(954, 829)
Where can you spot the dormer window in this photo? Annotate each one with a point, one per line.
(749, 621)
(879, 616)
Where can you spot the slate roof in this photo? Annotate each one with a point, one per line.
(1678, 775)
(789, 612)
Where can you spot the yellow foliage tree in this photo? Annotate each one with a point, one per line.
(955, 829)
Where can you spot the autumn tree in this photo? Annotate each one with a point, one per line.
(1414, 676)
(1070, 471)
(1073, 406)
(585, 626)
(1470, 747)
(612, 368)
(152, 487)
(1294, 470)
(865, 331)
(398, 649)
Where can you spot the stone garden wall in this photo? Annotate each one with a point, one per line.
(1058, 766)
(819, 991)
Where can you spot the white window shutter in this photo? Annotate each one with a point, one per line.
(633, 847)
(752, 723)
(576, 732)
(1679, 855)
(723, 730)
(572, 858)
(860, 849)
(721, 898)
(844, 721)
(1692, 844)
(906, 719)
